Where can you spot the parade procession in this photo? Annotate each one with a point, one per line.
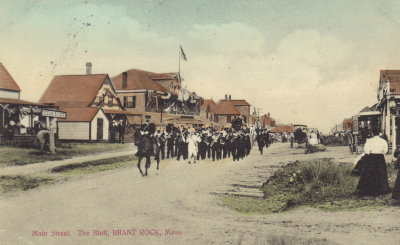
(199, 122)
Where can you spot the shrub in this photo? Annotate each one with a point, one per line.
(312, 181)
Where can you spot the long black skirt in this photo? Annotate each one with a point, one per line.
(396, 189)
(373, 176)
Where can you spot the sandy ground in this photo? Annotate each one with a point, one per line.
(46, 166)
(180, 197)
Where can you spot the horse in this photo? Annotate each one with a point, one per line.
(147, 147)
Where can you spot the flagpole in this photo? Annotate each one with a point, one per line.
(179, 72)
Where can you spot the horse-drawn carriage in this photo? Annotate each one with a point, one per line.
(363, 124)
(300, 133)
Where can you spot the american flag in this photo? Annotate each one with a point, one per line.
(183, 53)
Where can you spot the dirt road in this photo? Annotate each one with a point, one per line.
(179, 199)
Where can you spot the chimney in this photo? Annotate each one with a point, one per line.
(124, 79)
(226, 97)
(230, 97)
(88, 68)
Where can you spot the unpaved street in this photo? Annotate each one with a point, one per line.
(181, 197)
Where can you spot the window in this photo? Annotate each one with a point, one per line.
(228, 119)
(392, 90)
(110, 100)
(130, 101)
(244, 119)
(216, 118)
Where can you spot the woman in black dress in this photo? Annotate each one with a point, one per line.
(372, 168)
(396, 189)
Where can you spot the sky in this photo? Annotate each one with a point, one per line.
(305, 62)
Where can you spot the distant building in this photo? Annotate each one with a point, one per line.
(225, 112)
(265, 120)
(347, 124)
(282, 129)
(228, 109)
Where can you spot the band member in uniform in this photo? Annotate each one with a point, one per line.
(260, 140)
(144, 142)
(170, 140)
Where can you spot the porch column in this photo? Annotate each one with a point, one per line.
(383, 124)
(388, 118)
(394, 133)
(48, 123)
(52, 128)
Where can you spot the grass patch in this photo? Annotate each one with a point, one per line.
(95, 166)
(22, 182)
(320, 183)
(23, 156)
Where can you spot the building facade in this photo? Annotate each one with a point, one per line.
(91, 103)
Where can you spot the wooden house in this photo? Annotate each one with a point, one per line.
(20, 120)
(91, 103)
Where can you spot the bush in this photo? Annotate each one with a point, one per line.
(311, 182)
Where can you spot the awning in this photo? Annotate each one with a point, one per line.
(120, 112)
(20, 102)
(369, 113)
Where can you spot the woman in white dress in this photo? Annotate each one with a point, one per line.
(313, 138)
(193, 142)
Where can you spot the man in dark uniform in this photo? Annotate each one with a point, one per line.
(145, 146)
(170, 141)
(208, 140)
(215, 146)
(121, 133)
(161, 139)
(202, 146)
(260, 140)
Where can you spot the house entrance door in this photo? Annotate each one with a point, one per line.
(99, 128)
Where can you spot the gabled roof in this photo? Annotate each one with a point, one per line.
(138, 80)
(367, 108)
(73, 90)
(226, 108)
(83, 114)
(211, 104)
(239, 102)
(6, 80)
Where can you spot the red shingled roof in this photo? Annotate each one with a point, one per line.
(6, 80)
(211, 103)
(239, 102)
(85, 114)
(138, 79)
(226, 108)
(73, 90)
